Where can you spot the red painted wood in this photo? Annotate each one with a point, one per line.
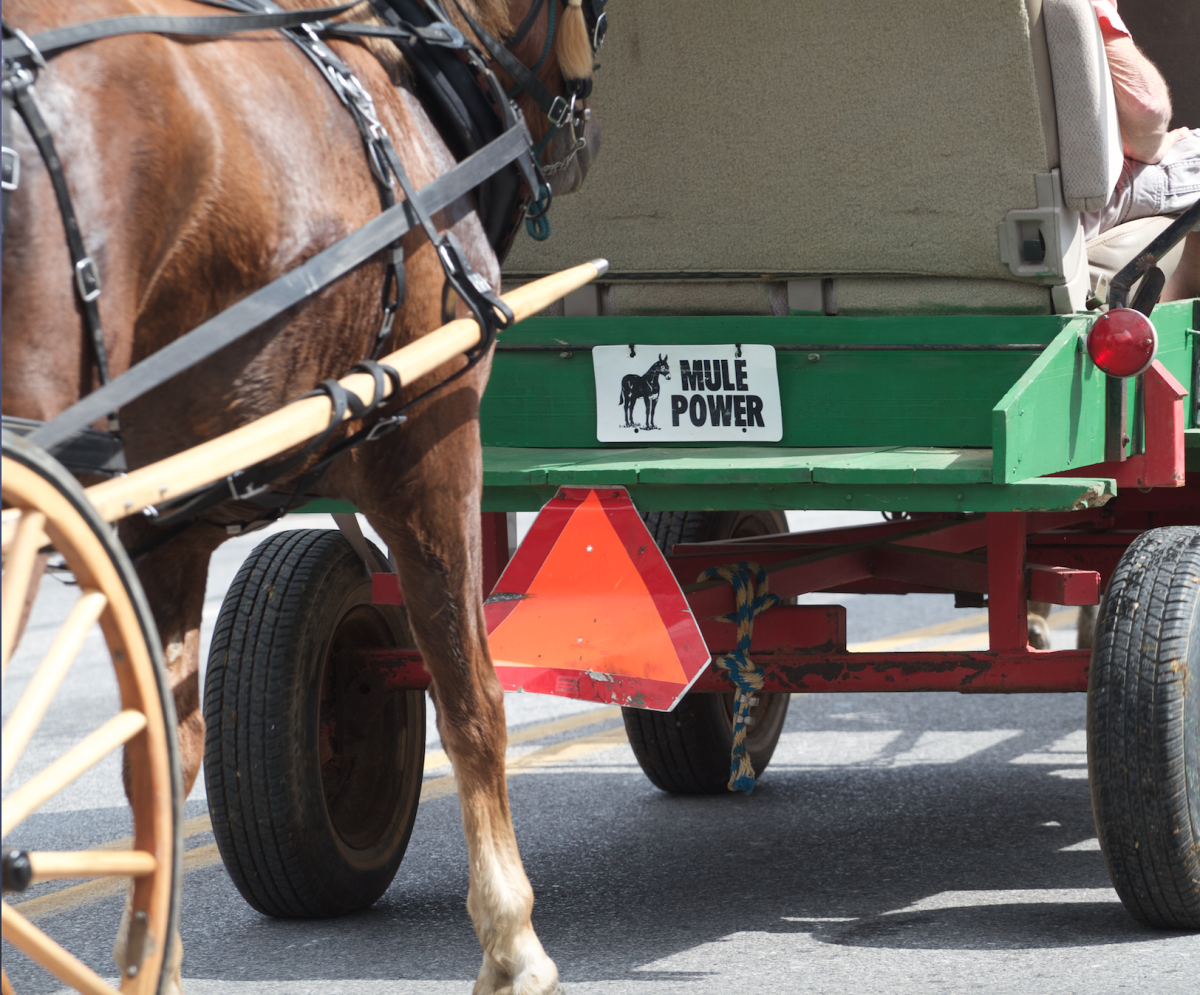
(969, 673)
(1063, 586)
(950, 571)
(385, 589)
(1162, 464)
(981, 672)
(1007, 621)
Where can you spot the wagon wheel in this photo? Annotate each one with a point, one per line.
(686, 751)
(313, 772)
(1143, 728)
(47, 512)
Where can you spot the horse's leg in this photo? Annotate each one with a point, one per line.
(174, 577)
(1039, 628)
(435, 537)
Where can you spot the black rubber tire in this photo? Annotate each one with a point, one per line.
(686, 751)
(1143, 728)
(307, 827)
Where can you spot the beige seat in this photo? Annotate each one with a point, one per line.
(855, 158)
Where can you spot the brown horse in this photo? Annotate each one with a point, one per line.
(200, 170)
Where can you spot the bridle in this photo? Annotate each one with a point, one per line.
(560, 112)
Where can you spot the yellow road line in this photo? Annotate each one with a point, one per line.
(972, 621)
(201, 857)
(570, 749)
(1056, 620)
(438, 758)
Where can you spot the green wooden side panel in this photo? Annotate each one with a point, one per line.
(1053, 417)
(855, 399)
(505, 467)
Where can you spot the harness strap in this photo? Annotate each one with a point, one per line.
(287, 291)
(527, 24)
(555, 108)
(87, 278)
(10, 161)
(48, 43)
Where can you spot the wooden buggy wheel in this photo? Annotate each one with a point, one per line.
(47, 513)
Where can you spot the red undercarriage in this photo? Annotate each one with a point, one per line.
(1011, 557)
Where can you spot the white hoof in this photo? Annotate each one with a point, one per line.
(1039, 633)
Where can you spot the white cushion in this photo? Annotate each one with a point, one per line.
(1088, 138)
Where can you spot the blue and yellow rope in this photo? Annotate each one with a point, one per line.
(751, 597)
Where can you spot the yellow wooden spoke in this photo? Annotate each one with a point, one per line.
(49, 865)
(18, 571)
(36, 945)
(9, 519)
(82, 757)
(40, 691)
(6, 987)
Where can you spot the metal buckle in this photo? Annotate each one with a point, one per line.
(24, 39)
(10, 169)
(87, 279)
(558, 111)
(389, 319)
(252, 491)
(384, 426)
(599, 32)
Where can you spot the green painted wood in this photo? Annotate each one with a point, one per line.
(872, 399)
(325, 506)
(1055, 494)
(744, 465)
(1053, 417)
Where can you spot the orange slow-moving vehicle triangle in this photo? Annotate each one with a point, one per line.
(588, 609)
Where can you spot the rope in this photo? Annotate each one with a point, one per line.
(749, 582)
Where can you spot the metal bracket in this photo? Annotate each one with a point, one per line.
(135, 942)
(87, 280)
(10, 168)
(38, 59)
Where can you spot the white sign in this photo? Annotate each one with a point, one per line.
(687, 393)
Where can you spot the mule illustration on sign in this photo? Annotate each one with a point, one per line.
(717, 393)
(646, 388)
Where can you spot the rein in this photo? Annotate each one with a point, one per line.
(23, 54)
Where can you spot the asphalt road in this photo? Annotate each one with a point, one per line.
(897, 843)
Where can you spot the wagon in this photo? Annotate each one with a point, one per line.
(898, 261)
(874, 295)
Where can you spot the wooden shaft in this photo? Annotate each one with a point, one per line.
(49, 865)
(118, 730)
(6, 987)
(36, 945)
(300, 421)
(40, 690)
(18, 571)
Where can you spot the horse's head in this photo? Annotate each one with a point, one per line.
(558, 40)
(662, 368)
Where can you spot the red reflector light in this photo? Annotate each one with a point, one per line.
(1122, 342)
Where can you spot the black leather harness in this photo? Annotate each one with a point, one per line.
(481, 125)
